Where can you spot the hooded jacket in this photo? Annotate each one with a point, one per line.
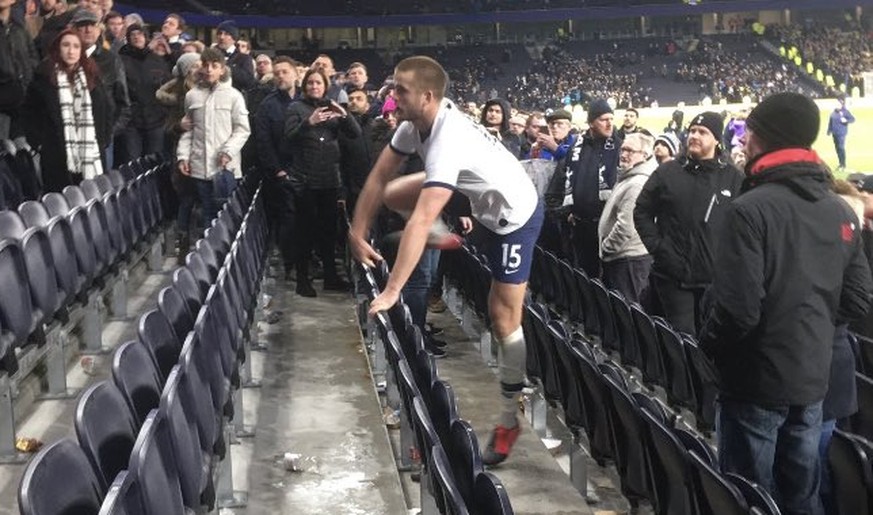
(221, 125)
(616, 230)
(679, 214)
(511, 141)
(790, 267)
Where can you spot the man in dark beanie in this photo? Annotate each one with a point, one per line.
(678, 215)
(581, 185)
(242, 67)
(789, 268)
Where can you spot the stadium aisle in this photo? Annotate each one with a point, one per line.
(318, 401)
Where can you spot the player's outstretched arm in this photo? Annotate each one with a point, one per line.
(385, 169)
(429, 206)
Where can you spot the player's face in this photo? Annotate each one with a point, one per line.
(410, 100)
(602, 127)
(701, 143)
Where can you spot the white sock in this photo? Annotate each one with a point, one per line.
(511, 357)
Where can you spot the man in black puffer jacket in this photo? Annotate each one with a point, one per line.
(789, 266)
(679, 215)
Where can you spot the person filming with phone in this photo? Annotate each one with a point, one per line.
(312, 130)
(556, 138)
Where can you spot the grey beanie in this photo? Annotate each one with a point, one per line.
(184, 64)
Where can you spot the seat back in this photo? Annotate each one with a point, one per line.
(84, 245)
(16, 314)
(197, 398)
(703, 379)
(116, 179)
(122, 497)
(155, 468)
(90, 190)
(651, 353)
(173, 307)
(851, 475)
(189, 288)
(679, 387)
(135, 374)
(714, 493)
(198, 268)
(756, 496)
(11, 225)
(210, 259)
(445, 490)
(43, 283)
(66, 266)
(443, 411)
(59, 480)
(590, 318)
(669, 468)
(489, 496)
(157, 334)
(34, 213)
(56, 204)
(629, 442)
(625, 330)
(862, 421)
(462, 448)
(106, 430)
(75, 197)
(608, 334)
(184, 440)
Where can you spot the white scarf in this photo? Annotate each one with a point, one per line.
(80, 137)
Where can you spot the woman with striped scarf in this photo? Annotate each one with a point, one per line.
(68, 114)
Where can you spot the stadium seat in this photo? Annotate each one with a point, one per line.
(850, 459)
(156, 475)
(462, 447)
(651, 354)
(106, 430)
(446, 492)
(198, 403)
(75, 197)
(122, 498)
(862, 421)
(34, 213)
(597, 425)
(194, 262)
(16, 314)
(189, 288)
(116, 179)
(703, 379)
(679, 389)
(629, 442)
(590, 319)
(90, 190)
(69, 279)
(157, 334)
(670, 470)
(608, 334)
(443, 411)
(489, 496)
(135, 374)
(59, 480)
(104, 184)
(81, 228)
(173, 307)
(38, 261)
(625, 330)
(193, 470)
(56, 204)
(11, 225)
(714, 493)
(210, 259)
(756, 496)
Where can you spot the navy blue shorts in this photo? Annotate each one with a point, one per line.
(510, 255)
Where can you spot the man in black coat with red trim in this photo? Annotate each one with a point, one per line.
(790, 265)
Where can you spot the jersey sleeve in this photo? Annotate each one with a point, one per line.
(403, 141)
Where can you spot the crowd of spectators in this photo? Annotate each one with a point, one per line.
(735, 76)
(843, 52)
(561, 78)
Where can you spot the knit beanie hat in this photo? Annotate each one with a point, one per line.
(785, 120)
(230, 27)
(389, 106)
(184, 64)
(135, 27)
(712, 121)
(598, 108)
(669, 140)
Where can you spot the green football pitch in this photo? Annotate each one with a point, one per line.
(859, 144)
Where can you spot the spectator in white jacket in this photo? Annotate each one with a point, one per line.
(626, 262)
(209, 152)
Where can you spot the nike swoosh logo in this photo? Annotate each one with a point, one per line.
(507, 272)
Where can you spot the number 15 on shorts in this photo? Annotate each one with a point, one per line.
(511, 257)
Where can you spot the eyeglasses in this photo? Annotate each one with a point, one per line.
(630, 151)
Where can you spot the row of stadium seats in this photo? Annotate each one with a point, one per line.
(575, 358)
(453, 480)
(60, 258)
(153, 440)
